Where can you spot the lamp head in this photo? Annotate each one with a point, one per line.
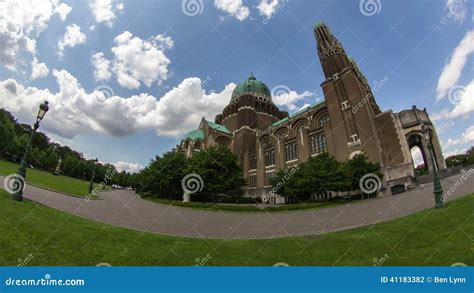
(43, 108)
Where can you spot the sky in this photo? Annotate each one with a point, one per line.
(127, 79)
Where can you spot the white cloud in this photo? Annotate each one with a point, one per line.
(305, 105)
(444, 126)
(74, 111)
(267, 7)
(468, 135)
(464, 104)
(119, 7)
(71, 38)
(290, 98)
(38, 69)
(453, 152)
(181, 109)
(233, 7)
(103, 11)
(102, 67)
(128, 167)
(21, 21)
(135, 61)
(466, 139)
(62, 10)
(458, 9)
(453, 69)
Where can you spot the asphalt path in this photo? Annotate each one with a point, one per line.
(125, 209)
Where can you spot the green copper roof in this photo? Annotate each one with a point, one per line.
(218, 127)
(280, 121)
(195, 135)
(299, 112)
(251, 85)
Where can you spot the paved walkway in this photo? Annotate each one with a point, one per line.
(125, 209)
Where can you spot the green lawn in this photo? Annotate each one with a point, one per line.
(47, 180)
(37, 235)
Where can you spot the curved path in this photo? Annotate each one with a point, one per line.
(125, 209)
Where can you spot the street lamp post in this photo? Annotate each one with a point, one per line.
(437, 188)
(91, 184)
(57, 170)
(43, 108)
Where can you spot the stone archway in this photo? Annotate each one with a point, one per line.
(416, 145)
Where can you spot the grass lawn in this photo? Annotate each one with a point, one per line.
(247, 207)
(44, 236)
(47, 180)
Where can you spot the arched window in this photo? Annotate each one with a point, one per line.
(323, 120)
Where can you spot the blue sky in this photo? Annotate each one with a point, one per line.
(136, 75)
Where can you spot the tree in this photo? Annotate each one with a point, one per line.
(7, 133)
(470, 159)
(358, 167)
(323, 174)
(162, 178)
(220, 172)
(318, 175)
(456, 160)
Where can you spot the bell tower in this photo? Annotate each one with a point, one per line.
(350, 102)
(330, 51)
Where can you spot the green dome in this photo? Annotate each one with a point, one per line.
(251, 86)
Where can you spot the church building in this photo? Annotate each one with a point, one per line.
(348, 122)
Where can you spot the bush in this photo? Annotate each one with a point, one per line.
(322, 174)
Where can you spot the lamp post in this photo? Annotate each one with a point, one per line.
(57, 170)
(437, 188)
(43, 108)
(91, 184)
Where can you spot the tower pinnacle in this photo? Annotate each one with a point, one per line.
(331, 53)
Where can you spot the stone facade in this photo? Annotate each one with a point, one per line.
(348, 122)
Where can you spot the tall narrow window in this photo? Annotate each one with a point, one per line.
(252, 180)
(318, 143)
(268, 178)
(253, 162)
(270, 157)
(291, 151)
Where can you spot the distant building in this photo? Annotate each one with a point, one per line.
(346, 123)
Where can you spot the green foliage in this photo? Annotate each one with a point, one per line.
(466, 159)
(456, 160)
(358, 167)
(162, 178)
(470, 157)
(322, 174)
(217, 166)
(219, 171)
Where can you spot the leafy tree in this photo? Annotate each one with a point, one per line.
(220, 172)
(162, 178)
(7, 133)
(359, 166)
(470, 159)
(322, 174)
(318, 175)
(456, 160)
